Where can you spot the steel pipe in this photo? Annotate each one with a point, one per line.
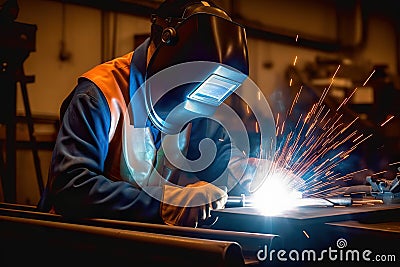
(100, 246)
(249, 243)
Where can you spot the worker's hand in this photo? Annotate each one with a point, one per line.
(191, 205)
(246, 174)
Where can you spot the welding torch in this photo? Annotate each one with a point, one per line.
(248, 201)
(239, 201)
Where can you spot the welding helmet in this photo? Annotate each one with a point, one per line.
(203, 33)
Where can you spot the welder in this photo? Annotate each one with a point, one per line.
(103, 166)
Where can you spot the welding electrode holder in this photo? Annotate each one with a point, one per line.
(238, 201)
(232, 202)
(243, 201)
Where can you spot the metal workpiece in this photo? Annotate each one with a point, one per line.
(239, 236)
(221, 247)
(102, 246)
(249, 242)
(326, 202)
(303, 227)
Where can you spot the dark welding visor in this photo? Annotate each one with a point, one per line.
(201, 37)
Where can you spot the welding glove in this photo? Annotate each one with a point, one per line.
(191, 205)
(244, 174)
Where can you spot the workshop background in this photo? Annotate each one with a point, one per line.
(361, 36)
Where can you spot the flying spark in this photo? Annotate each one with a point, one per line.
(388, 119)
(309, 153)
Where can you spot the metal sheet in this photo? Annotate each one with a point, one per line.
(390, 227)
(301, 228)
(313, 214)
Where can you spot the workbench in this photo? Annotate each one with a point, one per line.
(372, 226)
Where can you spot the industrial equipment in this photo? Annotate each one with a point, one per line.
(387, 191)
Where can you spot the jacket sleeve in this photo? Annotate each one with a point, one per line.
(77, 186)
(229, 163)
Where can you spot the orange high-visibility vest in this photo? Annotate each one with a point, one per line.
(112, 78)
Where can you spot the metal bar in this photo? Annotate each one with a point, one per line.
(32, 138)
(102, 245)
(145, 9)
(249, 242)
(243, 201)
(17, 206)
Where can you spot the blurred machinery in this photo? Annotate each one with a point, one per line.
(386, 190)
(17, 40)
